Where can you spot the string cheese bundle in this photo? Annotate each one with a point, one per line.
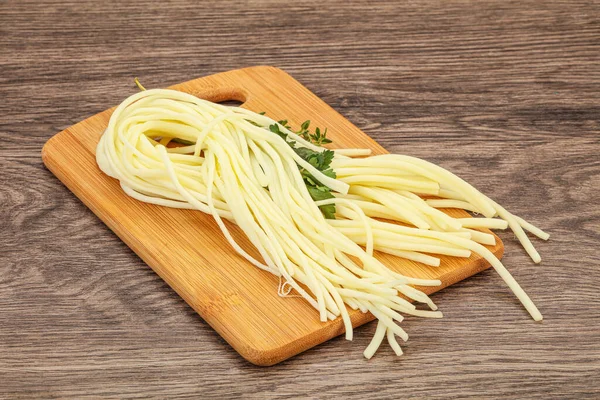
(234, 167)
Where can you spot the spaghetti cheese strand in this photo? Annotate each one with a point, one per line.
(233, 167)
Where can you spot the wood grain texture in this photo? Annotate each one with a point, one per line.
(505, 94)
(188, 250)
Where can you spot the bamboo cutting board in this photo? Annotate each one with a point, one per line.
(187, 249)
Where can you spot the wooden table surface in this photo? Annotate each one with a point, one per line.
(506, 94)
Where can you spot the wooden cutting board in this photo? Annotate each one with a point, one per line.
(187, 249)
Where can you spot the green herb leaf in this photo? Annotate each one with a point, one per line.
(330, 173)
(317, 194)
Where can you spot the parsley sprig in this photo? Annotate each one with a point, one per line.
(318, 138)
(319, 160)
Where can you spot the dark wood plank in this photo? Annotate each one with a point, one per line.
(504, 93)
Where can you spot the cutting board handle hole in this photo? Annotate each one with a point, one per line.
(229, 96)
(231, 103)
